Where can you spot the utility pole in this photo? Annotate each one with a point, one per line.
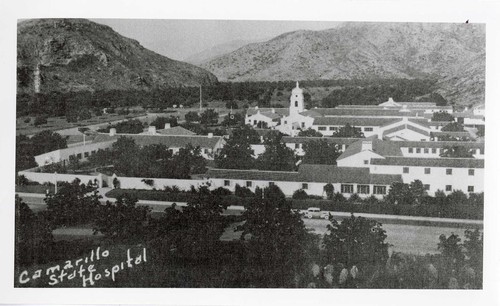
(200, 100)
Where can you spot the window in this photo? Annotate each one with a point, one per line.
(255, 122)
(434, 150)
(410, 150)
(366, 161)
(345, 188)
(205, 151)
(305, 186)
(79, 155)
(363, 189)
(297, 146)
(419, 150)
(322, 128)
(427, 187)
(406, 170)
(426, 151)
(470, 188)
(303, 124)
(379, 189)
(286, 122)
(86, 154)
(227, 183)
(471, 172)
(448, 188)
(271, 184)
(296, 104)
(249, 184)
(368, 129)
(427, 170)
(93, 151)
(449, 171)
(332, 128)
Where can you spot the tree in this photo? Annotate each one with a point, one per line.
(246, 134)
(209, 117)
(236, 154)
(329, 190)
(188, 161)
(33, 235)
(123, 219)
(42, 142)
(231, 104)
(417, 190)
(277, 240)
(356, 241)
(400, 193)
(160, 122)
(310, 133)
(320, 152)
(349, 131)
(453, 127)
(74, 203)
(442, 116)
(192, 117)
(39, 120)
(456, 151)
(277, 156)
(193, 232)
(233, 119)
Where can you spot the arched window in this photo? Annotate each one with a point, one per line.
(296, 103)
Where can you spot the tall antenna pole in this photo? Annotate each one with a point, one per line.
(200, 99)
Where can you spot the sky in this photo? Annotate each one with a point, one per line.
(179, 39)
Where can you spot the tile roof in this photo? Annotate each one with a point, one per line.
(176, 130)
(335, 140)
(311, 113)
(353, 121)
(281, 111)
(309, 173)
(271, 115)
(442, 133)
(406, 126)
(365, 112)
(168, 140)
(383, 148)
(430, 162)
(439, 144)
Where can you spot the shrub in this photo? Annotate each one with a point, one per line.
(300, 195)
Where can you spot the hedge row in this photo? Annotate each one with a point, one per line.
(457, 210)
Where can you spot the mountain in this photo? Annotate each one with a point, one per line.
(216, 51)
(77, 54)
(452, 53)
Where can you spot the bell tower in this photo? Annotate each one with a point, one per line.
(297, 100)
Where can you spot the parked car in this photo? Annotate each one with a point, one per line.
(315, 212)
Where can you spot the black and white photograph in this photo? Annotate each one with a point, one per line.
(327, 155)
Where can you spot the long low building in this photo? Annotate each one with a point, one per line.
(310, 178)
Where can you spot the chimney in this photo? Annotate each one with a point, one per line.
(390, 100)
(112, 132)
(257, 107)
(210, 135)
(167, 126)
(273, 110)
(152, 129)
(366, 146)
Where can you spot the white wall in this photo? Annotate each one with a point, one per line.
(358, 160)
(288, 188)
(437, 179)
(159, 183)
(410, 135)
(64, 154)
(41, 177)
